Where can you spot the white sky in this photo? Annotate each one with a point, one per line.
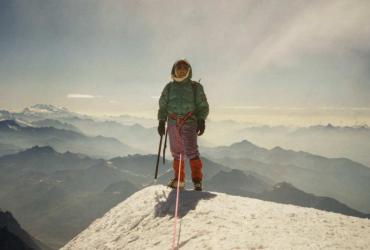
(256, 59)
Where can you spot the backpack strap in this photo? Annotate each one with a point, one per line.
(168, 92)
(194, 87)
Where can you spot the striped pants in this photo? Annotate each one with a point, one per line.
(186, 143)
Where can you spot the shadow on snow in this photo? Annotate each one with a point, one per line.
(188, 200)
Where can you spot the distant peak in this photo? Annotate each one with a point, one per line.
(14, 124)
(3, 111)
(246, 141)
(278, 148)
(284, 185)
(49, 107)
(329, 125)
(45, 108)
(243, 143)
(40, 149)
(136, 125)
(232, 172)
(8, 122)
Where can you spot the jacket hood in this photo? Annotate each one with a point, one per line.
(189, 75)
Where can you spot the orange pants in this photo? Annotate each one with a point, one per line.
(195, 166)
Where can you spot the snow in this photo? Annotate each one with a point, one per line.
(24, 124)
(46, 108)
(211, 220)
(48, 111)
(12, 127)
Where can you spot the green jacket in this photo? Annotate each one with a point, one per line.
(178, 97)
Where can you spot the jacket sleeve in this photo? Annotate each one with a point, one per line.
(163, 101)
(202, 107)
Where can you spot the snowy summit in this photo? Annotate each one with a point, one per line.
(210, 220)
(45, 108)
(48, 111)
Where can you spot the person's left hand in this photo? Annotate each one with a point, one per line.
(201, 127)
(161, 128)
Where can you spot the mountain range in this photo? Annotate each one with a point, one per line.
(43, 183)
(21, 135)
(340, 178)
(332, 141)
(54, 163)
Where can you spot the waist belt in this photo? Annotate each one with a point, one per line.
(180, 120)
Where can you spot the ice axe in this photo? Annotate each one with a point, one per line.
(165, 145)
(158, 156)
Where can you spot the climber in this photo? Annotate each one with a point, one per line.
(183, 105)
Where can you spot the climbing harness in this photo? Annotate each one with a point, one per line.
(180, 120)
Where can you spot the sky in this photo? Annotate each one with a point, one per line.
(272, 62)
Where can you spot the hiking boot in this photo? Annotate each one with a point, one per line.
(173, 184)
(197, 185)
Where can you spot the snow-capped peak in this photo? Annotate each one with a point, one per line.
(23, 124)
(210, 220)
(45, 108)
(14, 124)
(47, 111)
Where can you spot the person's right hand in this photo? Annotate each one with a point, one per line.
(161, 127)
(201, 127)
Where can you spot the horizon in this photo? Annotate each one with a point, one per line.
(255, 122)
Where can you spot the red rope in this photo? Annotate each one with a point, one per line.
(177, 206)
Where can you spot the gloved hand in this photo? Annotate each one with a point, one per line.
(161, 128)
(201, 127)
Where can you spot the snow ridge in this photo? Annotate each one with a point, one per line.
(211, 220)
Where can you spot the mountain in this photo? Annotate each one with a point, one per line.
(43, 183)
(237, 182)
(245, 183)
(138, 164)
(22, 135)
(328, 140)
(41, 180)
(212, 220)
(340, 178)
(9, 241)
(132, 120)
(56, 124)
(45, 111)
(331, 128)
(240, 149)
(5, 115)
(286, 193)
(6, 149)
(334, 141)
(13, 237)
(135, 134)
(127, 129)
(42, 159)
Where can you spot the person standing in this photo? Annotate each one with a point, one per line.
(184, 106)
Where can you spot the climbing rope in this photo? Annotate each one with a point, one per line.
(176, 207)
